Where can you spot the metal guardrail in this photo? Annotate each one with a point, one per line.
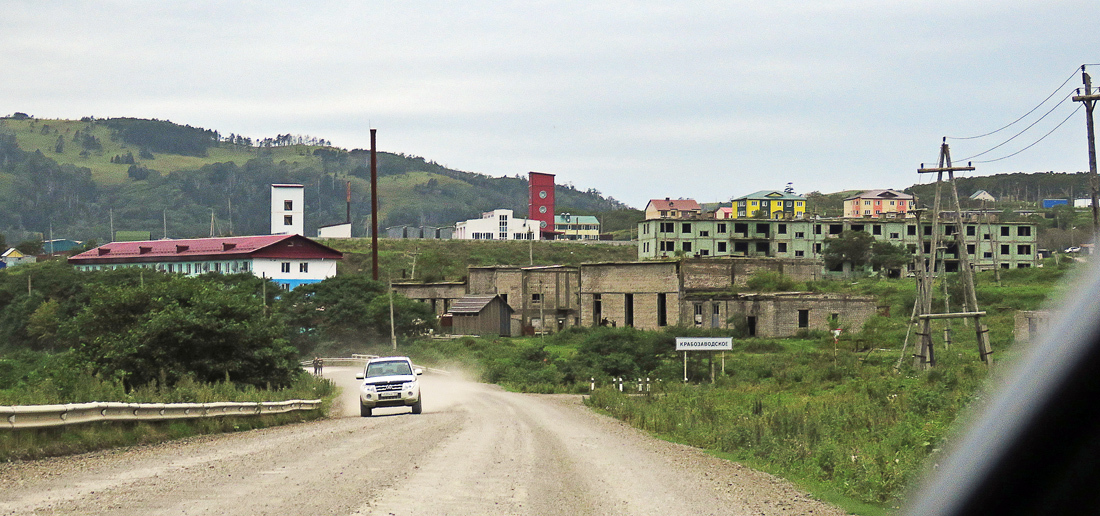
(362, 360)
(41, 416)
(342, 361)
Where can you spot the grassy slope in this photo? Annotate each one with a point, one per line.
(447, 259)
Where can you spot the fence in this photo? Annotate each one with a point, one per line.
(41, 416)
(642, 385)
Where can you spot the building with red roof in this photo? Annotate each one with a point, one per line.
(672, 209)
(289, 260)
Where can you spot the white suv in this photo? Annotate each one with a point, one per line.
(389, 382)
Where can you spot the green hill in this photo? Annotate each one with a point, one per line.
(76, 176)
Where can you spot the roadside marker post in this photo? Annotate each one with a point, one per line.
(686, 344)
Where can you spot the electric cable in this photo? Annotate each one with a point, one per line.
(991, 149)
(1036, 141)
(1025, 114)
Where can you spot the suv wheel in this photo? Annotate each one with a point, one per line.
(364, 411)
(418, 407)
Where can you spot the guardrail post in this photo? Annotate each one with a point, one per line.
(592, 387)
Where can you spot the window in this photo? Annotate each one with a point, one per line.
(781, 247)
(817, 229)
(244, 266)
(800, 234)
(741, 228)
(799, 254)
(1023, 249)
(536, 298)
(285, 267)
(667, 227)
(971, 230)
(927, 230)
(667, 246)
(762, 247)
(762, 229)
(687, 247)
(721, 247)
(835, 229)
(303, 267)
(288, 220)
(288, 205)
(876, 229)
(704, 233)
(857, 227)
(1023, 231)
(782, 229)
(803, 318)
(895, 235)
(218, 267)
(866, 203)
(817, 248)
(704, 252)
(685, 227)
(1005, 248)
(721, 227)
(911, 230)
(969, 248)
(1005, 231)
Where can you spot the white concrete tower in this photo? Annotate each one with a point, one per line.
(288, 209)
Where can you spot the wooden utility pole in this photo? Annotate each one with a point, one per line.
(373, 207)
(1089, 100)
(967, 274)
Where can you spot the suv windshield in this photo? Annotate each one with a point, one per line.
(388, 369)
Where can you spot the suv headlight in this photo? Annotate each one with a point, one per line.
(368, 387)
(408, 386)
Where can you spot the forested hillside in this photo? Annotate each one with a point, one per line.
(77, 177)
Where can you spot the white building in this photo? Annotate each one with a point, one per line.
(497, 225)
(289, 260)
(288, 203)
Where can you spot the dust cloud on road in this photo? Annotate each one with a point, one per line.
(476, 449)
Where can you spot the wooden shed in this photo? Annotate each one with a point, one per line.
(481, 315)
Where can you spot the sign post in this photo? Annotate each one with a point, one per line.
(686, 344)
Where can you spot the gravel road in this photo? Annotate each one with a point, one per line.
(475, 450)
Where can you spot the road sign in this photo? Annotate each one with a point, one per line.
(704, 343)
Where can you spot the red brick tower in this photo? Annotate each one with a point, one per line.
(541, 205)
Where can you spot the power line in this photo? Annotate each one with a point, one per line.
(991, 149)
(1036, 141)
(1055, 92)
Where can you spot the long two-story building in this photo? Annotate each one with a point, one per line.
(289, 260)
(1000, 244)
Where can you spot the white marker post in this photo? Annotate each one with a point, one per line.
(686, 344)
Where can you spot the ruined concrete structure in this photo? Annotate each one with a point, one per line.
(780, 314)
(543, 298)
(1030, 324)
(651, 295)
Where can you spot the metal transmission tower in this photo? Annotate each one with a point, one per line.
(927, 269)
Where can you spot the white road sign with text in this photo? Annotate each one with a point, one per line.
(704, 343)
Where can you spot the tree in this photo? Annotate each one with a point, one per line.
(889, 257)
(849, 250)
(30, 247)
(180, 328)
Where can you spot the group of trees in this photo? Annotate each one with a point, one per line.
(141, 326)
(855, 249)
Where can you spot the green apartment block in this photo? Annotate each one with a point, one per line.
(1007, 245)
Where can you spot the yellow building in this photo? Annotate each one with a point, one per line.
(769, 204)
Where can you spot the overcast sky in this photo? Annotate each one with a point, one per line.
(639, 100)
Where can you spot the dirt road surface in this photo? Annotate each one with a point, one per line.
(475, 450)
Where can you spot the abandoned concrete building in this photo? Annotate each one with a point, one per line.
(543, 298)
(647, 295)
(653, 294)
(781, 314)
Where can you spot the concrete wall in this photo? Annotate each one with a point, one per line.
(1031, 324)
(777, 315)
(439, 295)
(645, 281)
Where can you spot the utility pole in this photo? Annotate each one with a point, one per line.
(373, 207)
(971, 297)
(1089, 100)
